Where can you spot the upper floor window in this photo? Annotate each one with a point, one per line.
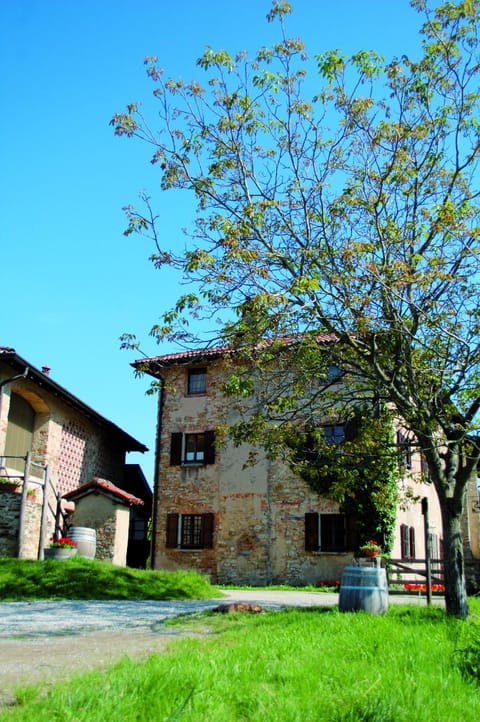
(197, 448)
(404, 449)
(407, 541)
(194, 447)
(197, 381)
(334, 373)
(334, 434)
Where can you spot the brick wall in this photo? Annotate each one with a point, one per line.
(259, 510)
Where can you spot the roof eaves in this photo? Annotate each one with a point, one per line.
(10, 356)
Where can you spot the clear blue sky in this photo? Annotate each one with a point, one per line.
(72, 283)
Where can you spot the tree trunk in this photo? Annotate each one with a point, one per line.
(455, 589)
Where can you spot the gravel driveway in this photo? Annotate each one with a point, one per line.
(42, 642)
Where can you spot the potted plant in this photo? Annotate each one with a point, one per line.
(61, 548)
(370, 548)
(9, 483)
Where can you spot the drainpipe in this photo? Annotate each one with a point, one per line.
(268, 525)
(158, 450)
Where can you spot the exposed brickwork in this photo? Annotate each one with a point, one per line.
(259, 511)
(71, 457)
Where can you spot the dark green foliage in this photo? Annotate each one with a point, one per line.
(359, 473)
(467, 654)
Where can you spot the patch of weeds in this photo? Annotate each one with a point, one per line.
(467, 654)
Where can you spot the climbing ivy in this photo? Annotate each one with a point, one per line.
(360, 473)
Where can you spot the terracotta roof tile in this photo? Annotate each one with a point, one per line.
(181, 357)
(98, 483)
(192, 355)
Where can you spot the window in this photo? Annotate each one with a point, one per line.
(197, 381)
(334, 373)
(407, 541)
(138, 526)
(197, 448)
(326, 532)
(194, 448)
(338, 433)
(334, 434)
(404, 449)
(190, 531)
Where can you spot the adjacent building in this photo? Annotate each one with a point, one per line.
(53, 446)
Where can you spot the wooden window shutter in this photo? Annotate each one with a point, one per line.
(350, 430)
(311, 531)
(404, 541)
(210, 447)
(412, 541)
(176, 449)
(353, 539)
(208, 523)
(172, 531)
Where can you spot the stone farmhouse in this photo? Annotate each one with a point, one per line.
(257, 524)
(63, 464)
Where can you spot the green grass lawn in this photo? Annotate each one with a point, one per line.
(80, 578)
(298, 665)
(292, 666)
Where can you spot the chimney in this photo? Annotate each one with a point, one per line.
(46, 370)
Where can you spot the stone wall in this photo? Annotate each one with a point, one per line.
(259, 510)
(9, 516)
(9, 525)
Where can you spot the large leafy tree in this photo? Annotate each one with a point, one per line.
(351, 211)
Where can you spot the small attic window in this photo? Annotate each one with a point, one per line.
(197, 381)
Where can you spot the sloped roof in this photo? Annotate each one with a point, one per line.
(181, 357)
(103, 485)
(155, 363)
(39, 378)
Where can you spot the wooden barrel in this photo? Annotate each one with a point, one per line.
(364, 589)
(86, 539)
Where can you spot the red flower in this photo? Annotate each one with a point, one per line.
(63, 542)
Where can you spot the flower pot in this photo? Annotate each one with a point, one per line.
(60, 553)
(10, 488)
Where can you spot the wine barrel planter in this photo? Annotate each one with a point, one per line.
(86, 539)
(364, 589)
